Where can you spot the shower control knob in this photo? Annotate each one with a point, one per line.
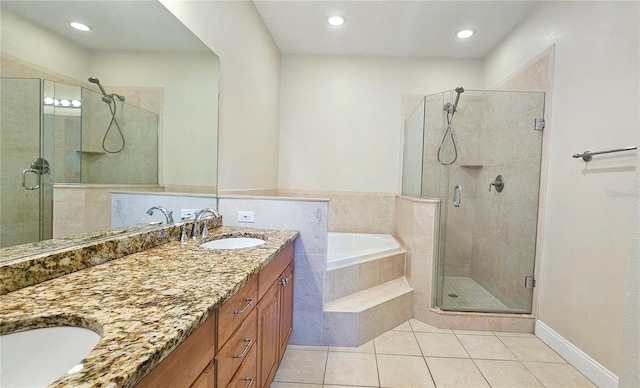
(498, 183)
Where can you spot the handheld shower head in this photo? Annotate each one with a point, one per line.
(459, 90)
(96, 81)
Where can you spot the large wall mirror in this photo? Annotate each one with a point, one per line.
(131, 102)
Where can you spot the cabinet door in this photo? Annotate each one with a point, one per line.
(268, 330)
(286, 308)
(207, 378)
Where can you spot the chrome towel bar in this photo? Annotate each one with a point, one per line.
(588, 155)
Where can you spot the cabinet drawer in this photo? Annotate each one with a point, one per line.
(236, 309)
(269, 274)
(187, 361)
(248, 371)
(237, 348)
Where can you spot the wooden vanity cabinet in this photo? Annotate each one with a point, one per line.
(187, 362)
(275, 313)
(243, 343)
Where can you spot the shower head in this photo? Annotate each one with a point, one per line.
(108, 98)
(96, 81)
(459, 90)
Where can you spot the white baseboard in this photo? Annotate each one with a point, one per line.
(589, 367)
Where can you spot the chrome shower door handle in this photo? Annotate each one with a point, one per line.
(24, 178)
(457, 196)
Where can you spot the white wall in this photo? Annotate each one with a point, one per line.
(249, 88)
(341, 117)
(34, 44)
(589, 208)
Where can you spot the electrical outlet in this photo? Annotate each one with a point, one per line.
(246, 216)
(187, 214)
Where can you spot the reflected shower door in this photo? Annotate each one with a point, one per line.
(488, 236)
(20, 145)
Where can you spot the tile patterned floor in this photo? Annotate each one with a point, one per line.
(415, 354)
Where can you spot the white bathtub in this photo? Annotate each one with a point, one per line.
(349, 248)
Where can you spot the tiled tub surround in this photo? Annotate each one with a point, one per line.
(30, 264)
(144, 305)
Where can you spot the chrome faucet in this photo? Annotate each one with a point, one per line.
(168, 214)
(196, 222)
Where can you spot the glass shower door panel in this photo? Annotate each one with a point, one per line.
(412, 156)
(133, 129)
(19, 145)
(489, 241)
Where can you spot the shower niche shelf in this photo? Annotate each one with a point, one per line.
(471, 166)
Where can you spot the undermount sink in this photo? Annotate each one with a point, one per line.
(38, 357)
(233, 243)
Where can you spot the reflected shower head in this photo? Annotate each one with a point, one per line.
(96, 81)
(458, 90)
(106, 97)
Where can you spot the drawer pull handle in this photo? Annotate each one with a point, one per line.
(284, 282)
(246, 349)
(250, 381)
(249, 301)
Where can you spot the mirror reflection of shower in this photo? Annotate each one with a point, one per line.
(451, 110)
(109, 99)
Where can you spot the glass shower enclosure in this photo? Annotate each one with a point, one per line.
(487, 179)
(51, 132)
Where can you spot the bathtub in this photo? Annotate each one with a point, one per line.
(350, 248)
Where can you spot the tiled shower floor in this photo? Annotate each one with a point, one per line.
(471, 296)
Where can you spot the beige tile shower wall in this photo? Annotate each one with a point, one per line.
(458, 227)
(85, 208)
(504, 227)
(356, 212)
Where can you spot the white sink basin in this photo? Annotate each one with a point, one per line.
(233, 243)
(38, 357)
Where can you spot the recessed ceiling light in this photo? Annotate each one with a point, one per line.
(80, 26)
(336, 20)
(464, 34)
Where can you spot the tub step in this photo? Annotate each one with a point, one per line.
(358, 318)
(347, 280)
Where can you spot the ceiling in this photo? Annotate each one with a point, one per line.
(419, 28)
(116, 25)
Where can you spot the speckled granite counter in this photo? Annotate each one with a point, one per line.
(144, 305)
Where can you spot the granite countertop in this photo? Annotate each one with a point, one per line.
(143, 305)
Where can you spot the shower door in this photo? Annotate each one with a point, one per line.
(20, 150)
(490, 203)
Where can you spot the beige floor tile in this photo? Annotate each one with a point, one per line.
(366, 348)
(531, 349)
(509, 334)
(302, 366)
(403, 371)
(507, 374)
(404, 327)
(455, 373)
(486, 347)
(397, 342)
(421, 327)
(351, 369)
(440, 345)
(473, 332)
(558, 375)
(346, 386)
(304, 347)
(277, 384)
